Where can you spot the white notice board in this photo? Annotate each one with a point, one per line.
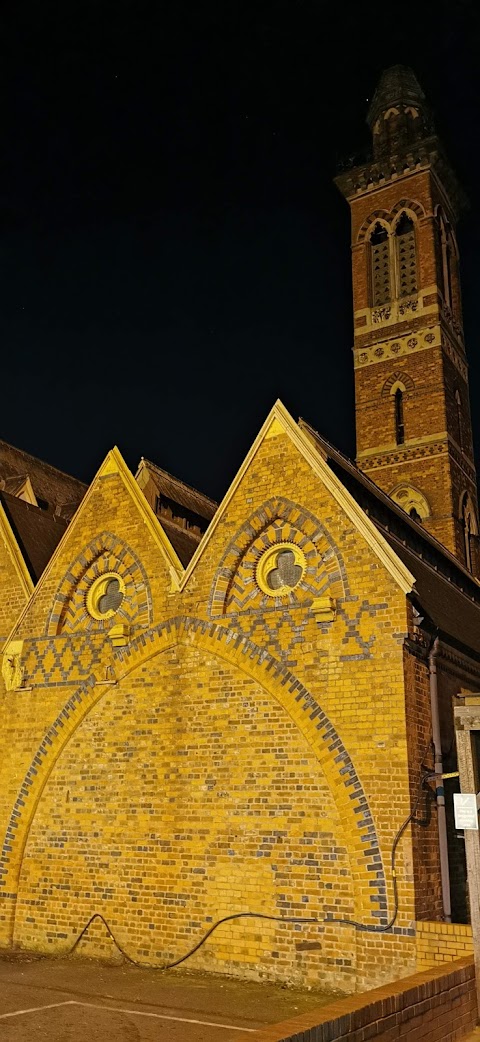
(465, 808)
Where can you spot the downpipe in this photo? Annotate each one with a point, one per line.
(438, 779)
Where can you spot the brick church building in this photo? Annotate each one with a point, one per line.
(243, 712)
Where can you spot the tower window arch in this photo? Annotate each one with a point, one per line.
(412, 501)
(380, 265)
(406, 255)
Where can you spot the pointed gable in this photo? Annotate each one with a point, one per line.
(279, 424)
(114, 535)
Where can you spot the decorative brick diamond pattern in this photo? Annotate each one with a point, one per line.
(365, 856)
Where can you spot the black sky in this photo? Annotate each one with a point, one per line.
(174, 253)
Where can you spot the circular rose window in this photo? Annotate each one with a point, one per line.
(280, 569)
(105, 596)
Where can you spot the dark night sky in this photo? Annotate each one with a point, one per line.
(174, 254)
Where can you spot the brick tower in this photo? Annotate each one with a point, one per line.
(414, 436)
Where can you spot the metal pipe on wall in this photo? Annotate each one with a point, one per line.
(439, 786)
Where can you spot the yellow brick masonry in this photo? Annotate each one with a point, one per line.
(13, 597)
(198, 786)
(442, 942)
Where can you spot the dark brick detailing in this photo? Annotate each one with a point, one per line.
(387, 215)
(105, 553)
(62, 660)
(402, 378)
(279, 520)
(259, 664)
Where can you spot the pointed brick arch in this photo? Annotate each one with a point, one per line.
(360, 835)
(293, 523)
(377, 216)
(388, 217)
(108, 553)
(409, 206)
(398, 378)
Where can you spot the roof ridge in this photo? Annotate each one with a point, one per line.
(393, 537)
(44, 463)
(180, 481)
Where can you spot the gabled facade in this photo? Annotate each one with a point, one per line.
(252, 729)
(238, 713)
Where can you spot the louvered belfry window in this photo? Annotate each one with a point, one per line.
(380, 265)
(406, 257)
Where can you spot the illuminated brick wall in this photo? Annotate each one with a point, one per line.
(442, 942)
(239, 753)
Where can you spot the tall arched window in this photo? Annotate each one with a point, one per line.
(448, 275)
(458, 403)
(447, 267)
(380, 251)
(470, 529)
(399, 421)
(406, 256)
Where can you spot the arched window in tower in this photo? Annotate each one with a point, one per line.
(380, 251)
(399, 420)
(447, 277)
(406, 256)
(470, 529)
(447, 269)
(412, 501)
(458, 404)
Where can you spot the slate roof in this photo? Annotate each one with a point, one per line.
(179, 492)
(49, 484)
(37, 532)
(184, 542)
(444, 591)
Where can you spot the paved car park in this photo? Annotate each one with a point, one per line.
(70, 1000)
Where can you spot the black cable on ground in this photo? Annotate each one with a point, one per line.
(324, 921)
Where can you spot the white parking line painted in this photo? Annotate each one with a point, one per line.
(134, 1012)
(37, 1009)
(165, 1016)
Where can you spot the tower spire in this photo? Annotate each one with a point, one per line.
(399, 114)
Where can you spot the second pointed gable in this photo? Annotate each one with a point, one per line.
(113, 534)
(283, 462)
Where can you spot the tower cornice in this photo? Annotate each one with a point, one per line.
(374, 175)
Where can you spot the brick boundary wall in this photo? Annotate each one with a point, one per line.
(442, 942)
(438, 1005)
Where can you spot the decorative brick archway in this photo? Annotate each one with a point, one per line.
(359, 829)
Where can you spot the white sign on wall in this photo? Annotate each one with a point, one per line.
(465, 809)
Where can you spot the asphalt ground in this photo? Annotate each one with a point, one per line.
(75, 999)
